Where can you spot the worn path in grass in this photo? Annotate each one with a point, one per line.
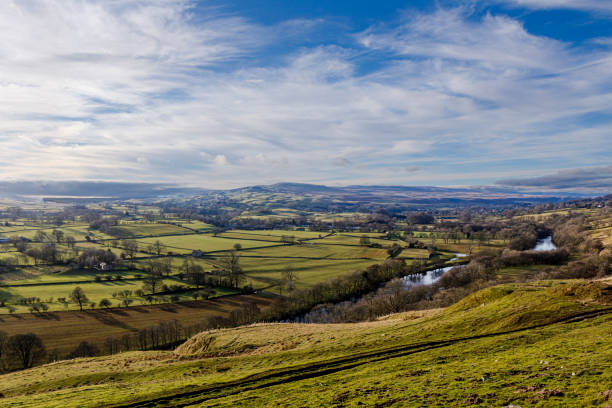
(543, 343)
(277, 377)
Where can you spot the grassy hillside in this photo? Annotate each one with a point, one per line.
(546, 343)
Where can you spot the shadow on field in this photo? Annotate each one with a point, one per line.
(47, 316)
(118, 312)
(208, 305)
(106, 318)
(139, 310)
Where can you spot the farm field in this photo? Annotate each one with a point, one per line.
(185, 244)
(64, 330)
(315, 257)
(266, 272)
(514, 344)
(129, 230)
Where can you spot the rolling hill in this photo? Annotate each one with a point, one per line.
(543, 343)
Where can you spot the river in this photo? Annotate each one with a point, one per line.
(426, 278)
(545, 244)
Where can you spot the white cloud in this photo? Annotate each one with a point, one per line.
(410, 146)
(145, 91)
(450, 35)
(220, 160)
(598, 5)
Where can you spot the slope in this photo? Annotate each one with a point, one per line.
(542, 343)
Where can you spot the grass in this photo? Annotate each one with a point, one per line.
(266, 272)
(141, 229)
(263, 257)
(204, 242)
(484, 350)
(95, 292)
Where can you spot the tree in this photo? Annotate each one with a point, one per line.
(70, 241)
(40, 236)
(165, 266)
(49, 252)
(3, 343)
(58, 235)
(231, 267)
(78, 296)
(185, 268)
(84, 349)
(394, 250)
(27, 349)
(152, 282)
(105, 303)
(34, 253)
(130, 248)
(288, 279)
(196, 275)
(4, 297)
(158, 247)
(237, 246)
(421, 218)
(364, 240)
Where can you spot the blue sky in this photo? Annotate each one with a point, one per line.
(233, 93)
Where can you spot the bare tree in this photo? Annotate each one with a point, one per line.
(231, 267)
(40, 236)
(70, 241)
(3, 343)
(78, 296)
(58, 235)
(27, 349)
(130, 248)
(288, 279)
(158, 247)
(152, 282)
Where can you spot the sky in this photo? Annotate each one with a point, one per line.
(223, 94)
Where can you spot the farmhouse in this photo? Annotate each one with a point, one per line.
(103, 266)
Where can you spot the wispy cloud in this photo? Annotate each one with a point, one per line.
(597, 5)
(167, 91)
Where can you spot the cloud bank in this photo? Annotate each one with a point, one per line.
(596, 178)
(169, 91)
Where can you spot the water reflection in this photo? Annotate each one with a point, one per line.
(427, 278)
(545, 244)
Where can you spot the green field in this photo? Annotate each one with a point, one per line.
(128, 230)
(314, 256)
(515, 344)
(184, 244)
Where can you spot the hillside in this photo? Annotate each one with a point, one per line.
(545, 343)
(294, 195)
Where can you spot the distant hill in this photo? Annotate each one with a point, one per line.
(355, 194)
(402, 195)
(90, 189)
